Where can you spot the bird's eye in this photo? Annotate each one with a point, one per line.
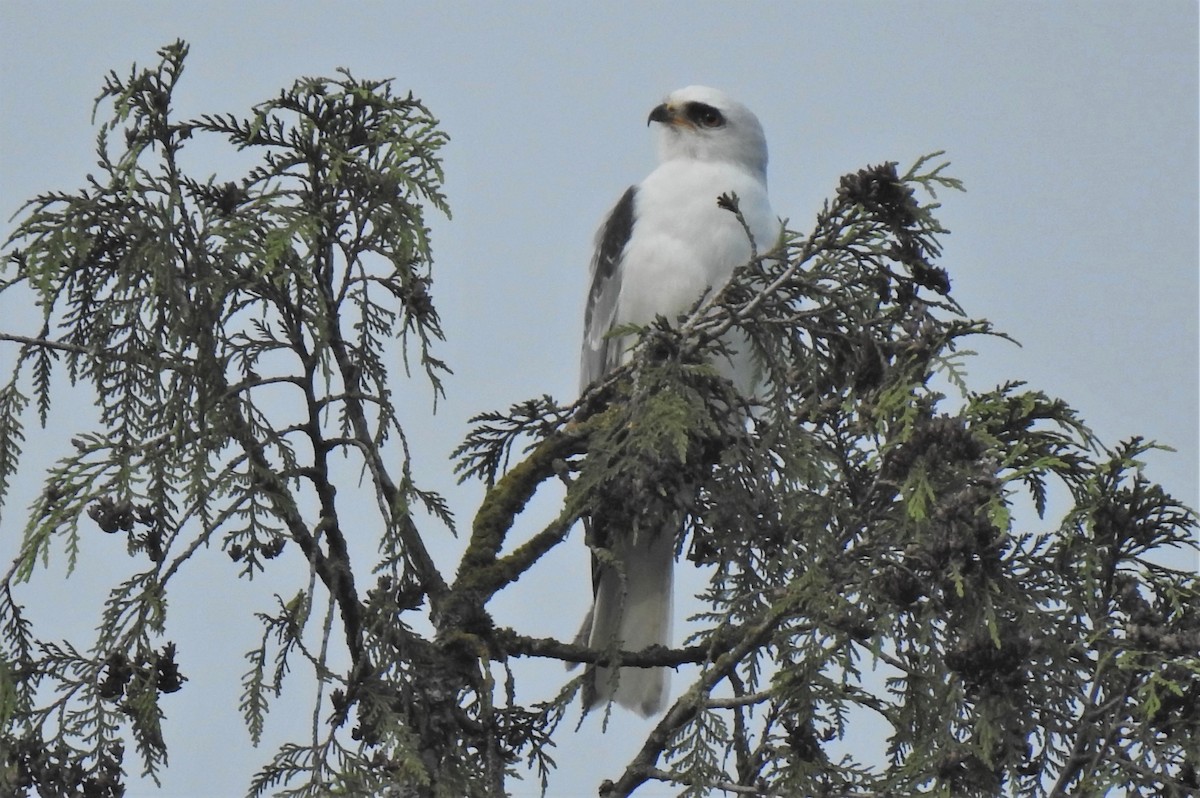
(705, 115)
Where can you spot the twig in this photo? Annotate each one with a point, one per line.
(686, 708)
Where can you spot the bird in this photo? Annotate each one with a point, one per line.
(666, 244)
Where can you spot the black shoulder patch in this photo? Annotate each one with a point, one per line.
(597, 355)
(617, 230)
(612, 240)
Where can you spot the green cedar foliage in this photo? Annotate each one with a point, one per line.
(852, 517)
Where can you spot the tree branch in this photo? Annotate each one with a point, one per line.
(518, 645)
(688, 705)
(480, 572)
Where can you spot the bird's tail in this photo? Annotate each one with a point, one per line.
(632, 610)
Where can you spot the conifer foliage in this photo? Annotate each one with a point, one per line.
(239, 336)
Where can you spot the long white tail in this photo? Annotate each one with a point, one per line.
(634, 607)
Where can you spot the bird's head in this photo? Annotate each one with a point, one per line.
(707, 125)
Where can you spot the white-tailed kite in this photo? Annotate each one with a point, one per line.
(664, 245)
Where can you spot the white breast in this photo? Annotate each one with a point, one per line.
(683, 243)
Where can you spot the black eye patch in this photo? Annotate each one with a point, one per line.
(703, 115)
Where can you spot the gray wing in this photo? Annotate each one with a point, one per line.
(646, 587)
(601, 354)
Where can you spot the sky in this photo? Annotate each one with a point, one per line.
(1073, 125)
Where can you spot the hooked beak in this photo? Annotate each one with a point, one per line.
(667, 115)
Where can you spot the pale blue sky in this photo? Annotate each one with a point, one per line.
(1074, 125)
